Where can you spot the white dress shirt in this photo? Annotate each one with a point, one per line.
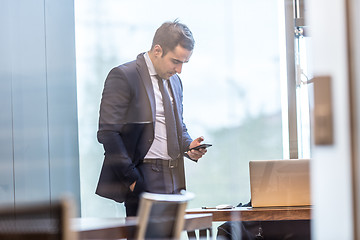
(158, 148)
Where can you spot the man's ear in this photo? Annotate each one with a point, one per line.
(158, 50)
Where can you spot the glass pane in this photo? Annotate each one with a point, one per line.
(232, 93)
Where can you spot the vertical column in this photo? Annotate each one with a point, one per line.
(6, 138)
(29, 100)
(331, 168)
(291, 81)
(353, 7)
(62, 99)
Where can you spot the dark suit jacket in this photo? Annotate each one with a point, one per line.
(126, 126)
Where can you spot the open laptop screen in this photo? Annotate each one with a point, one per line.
(280, 182)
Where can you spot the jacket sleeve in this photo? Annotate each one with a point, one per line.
(116, 98)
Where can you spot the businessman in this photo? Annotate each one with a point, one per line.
(141, 121)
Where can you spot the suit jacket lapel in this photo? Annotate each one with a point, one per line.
(145, 77)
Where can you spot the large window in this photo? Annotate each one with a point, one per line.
(232, 93)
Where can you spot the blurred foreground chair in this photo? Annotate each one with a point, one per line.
(37, 221)
(161, 216)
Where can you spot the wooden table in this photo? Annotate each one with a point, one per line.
(103, 228)
(115, 228)
(256, 214)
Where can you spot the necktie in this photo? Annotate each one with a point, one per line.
(171, 134)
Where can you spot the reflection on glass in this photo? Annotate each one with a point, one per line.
(231, 87)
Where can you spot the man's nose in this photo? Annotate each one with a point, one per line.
(178, 68)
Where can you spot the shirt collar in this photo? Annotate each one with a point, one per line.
(149, 64)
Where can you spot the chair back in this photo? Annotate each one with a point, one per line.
(161, 216)
(40, 221)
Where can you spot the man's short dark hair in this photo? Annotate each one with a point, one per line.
(171, 34)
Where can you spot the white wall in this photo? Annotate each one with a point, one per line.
(331, 166)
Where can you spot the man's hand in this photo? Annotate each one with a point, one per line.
(196, 154)
(132, 186)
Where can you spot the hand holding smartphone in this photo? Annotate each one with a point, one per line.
(204, 145)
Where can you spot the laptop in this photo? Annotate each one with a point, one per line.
(280, 182)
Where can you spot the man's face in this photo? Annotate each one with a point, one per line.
(171, 62)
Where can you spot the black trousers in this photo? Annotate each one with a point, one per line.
(156, 177)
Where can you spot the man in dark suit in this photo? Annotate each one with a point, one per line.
(141, 125)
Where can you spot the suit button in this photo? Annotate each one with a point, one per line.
(150, 140)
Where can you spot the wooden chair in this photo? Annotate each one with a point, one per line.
(161, 216)
(37, 221)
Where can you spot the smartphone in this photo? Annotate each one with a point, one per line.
(204, 145)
